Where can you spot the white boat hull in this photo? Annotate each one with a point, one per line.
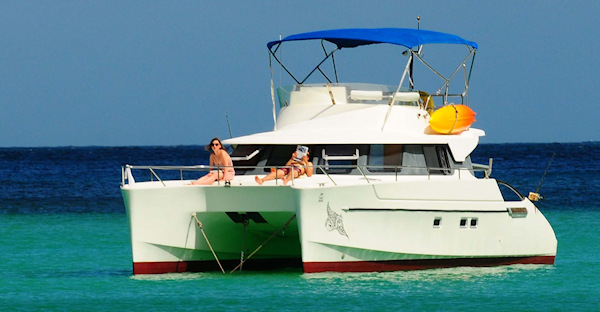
(390, 227)
(165, 236)
(382, 226)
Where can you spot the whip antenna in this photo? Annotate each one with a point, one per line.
(228, 126)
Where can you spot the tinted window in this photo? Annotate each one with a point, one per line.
(385, 158)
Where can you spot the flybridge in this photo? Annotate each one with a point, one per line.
(412, 39)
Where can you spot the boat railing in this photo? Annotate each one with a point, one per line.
(369, 93)
(180, 172)
(509, 192)
(398, 171)
(368, 172)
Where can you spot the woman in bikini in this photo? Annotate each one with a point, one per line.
(293, 169)
(218, 158)
(299, 167)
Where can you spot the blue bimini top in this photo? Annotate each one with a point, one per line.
(351, 38)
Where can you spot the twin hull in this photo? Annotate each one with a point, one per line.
(353, 228)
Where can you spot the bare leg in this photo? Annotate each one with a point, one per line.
(207, 179)
(273, 175)
(227, 176)
(291, 175)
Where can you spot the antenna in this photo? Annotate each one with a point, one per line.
(228, 126)
(418, 21)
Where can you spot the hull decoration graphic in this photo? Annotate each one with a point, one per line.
(335, 222)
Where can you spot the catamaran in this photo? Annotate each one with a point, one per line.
(393, 187)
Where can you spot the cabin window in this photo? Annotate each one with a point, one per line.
(474, 223)
(463, 222)
(385, 158)
(437, 222)
(279, 156)
(436, 157)
(246, 156)
(413, 160)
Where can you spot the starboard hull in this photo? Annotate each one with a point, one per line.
(406, 226)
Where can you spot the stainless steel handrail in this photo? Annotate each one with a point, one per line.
(319, 169)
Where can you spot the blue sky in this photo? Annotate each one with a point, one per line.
(115, 73)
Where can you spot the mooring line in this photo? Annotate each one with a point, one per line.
(264, 243)
(207, 241)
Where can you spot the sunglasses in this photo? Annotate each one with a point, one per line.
(216, 144)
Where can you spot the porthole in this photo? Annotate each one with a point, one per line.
(463, 222)
(437, 222)
(474, 223)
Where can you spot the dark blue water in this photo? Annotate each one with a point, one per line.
(64, 243)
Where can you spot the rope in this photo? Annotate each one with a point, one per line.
(264, 243)
(206, 238)
(455, 118)
(245, 222)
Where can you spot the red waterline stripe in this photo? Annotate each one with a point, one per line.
(159, 267)
(316, 267)
(205, 266)
(403, 265)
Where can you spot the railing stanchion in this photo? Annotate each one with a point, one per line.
(157, 177)
(363, 174)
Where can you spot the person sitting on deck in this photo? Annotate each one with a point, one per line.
(301, 166)
(298, 165)
(218, 158)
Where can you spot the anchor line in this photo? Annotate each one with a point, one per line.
(244, 223)
(207, 241)
(264, 243)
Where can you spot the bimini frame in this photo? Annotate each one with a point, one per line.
(409, 38)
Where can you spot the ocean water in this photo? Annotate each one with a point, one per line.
(64, 243)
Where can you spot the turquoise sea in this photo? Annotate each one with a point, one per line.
(64, 242)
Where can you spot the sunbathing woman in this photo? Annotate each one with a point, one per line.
(218, 158)
(294, 168)
(300, 167)
(277, 173)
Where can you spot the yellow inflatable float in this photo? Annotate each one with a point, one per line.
(452, 119)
